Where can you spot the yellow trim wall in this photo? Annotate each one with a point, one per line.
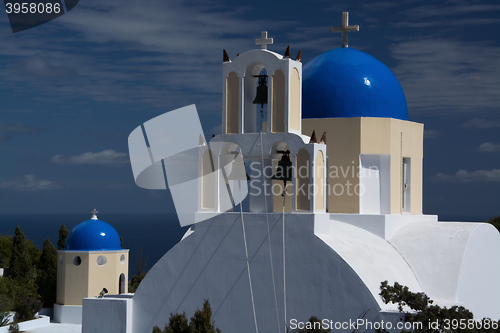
(343, 149)
(88, 279)
(295, 100)
(348, 138)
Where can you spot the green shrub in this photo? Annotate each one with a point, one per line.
(46, 279)
(63, 234)
(18, 291)
(5, 303)
(201, 322)
(133, 284)
(423, 311)
(4, 318)
(5, 250)
(5, 306)
(495, 222)
(28, 308)
(20, 263)
(14, 328)
(177, 323)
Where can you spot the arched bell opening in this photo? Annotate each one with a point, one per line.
(234, 178)
(256, 94)
(208, 191)
(121, 284)
(278, 102)
(232, 103)
(303, 180)
(282, 178)
(295, 101)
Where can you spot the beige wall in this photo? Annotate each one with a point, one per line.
(343, 149)
(295, 100)
(406, 141)
(88, 279)
(72, 281)
(319, 182)
(347, 138)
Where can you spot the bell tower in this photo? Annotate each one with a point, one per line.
(246, 89)
(262, 126)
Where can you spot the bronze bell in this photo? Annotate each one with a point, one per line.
(284, 169)
(261, 97)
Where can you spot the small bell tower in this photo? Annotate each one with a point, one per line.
(262, 126)
(246, 89)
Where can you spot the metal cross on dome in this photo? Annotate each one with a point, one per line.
(345, 28)
(94, 212)
(263, 41)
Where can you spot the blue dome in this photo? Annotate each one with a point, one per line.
(93, 235)
(346, 83)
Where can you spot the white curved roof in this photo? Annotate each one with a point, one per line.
(371, 257)
(454, 262)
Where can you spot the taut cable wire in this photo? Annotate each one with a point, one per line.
(248, 263)
(269, 234)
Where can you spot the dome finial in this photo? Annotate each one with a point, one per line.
(94, 214)
(345, 28)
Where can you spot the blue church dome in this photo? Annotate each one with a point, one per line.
(93, 235)
(346, 83)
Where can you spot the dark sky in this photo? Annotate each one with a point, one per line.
(72, 90)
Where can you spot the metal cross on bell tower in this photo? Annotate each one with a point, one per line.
(345, 28)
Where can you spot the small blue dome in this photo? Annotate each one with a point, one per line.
(347, 83)
(93, 235)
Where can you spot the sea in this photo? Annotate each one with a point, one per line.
(151, 235)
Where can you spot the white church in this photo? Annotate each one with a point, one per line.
(309, 198)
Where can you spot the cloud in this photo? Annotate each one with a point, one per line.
(482, 123)
(382, 5)
(117, 134)
(423, 12)
(428, 24)
(8, 130)
(168, 56)
(118, 187)
(106, 157)
(444, 76)
(468, 177)
(430, 134)
(41, 66)
(489, 147)
(29, 183)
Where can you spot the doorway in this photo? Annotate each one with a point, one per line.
(406, 183)
(121, 284)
